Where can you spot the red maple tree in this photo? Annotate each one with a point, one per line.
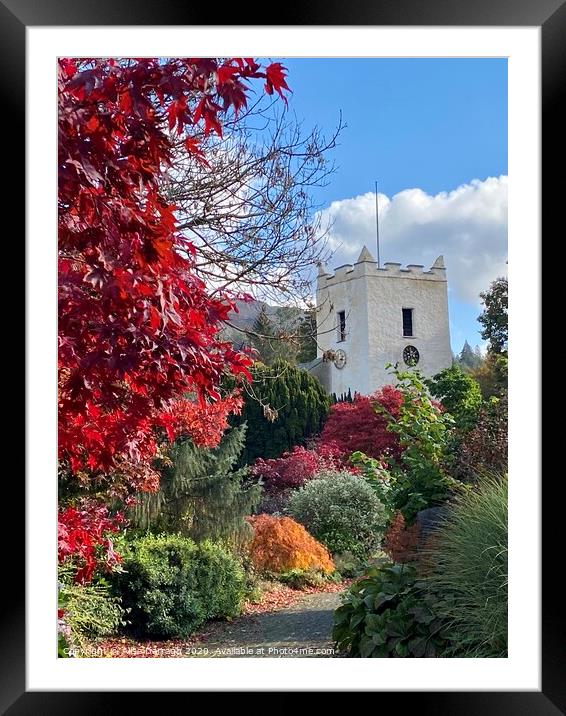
(357, 425)
(138, 331)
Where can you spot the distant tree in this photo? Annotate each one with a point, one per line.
(459, 393)
(289, 321)
(275, 336)
(283, 406)
(307, 337)
(491, 376)
(494, 316)
(343, 397)
(261, 336)
(468, 357)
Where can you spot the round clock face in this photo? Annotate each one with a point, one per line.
(340, 358)
(410, 355)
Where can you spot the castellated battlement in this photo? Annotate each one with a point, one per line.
(366, 265)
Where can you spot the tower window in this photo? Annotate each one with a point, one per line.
(407, 321)
(341, 326)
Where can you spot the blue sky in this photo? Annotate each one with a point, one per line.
(434, 126)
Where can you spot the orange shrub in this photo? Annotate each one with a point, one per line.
(281, 544)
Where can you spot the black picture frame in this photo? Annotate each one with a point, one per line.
(550, 15)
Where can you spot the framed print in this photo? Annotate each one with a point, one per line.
(504, 57)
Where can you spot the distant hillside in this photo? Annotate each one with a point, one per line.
(246, 316)
(248, 313)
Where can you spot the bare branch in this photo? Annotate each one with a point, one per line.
(253, 215)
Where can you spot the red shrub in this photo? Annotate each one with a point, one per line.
(333, 457)
(350, 427)
(357, 425)
(294, 468)
(401, 542)
(484, 448)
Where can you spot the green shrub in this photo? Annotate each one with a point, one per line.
(377, 477)
(302, 578)
(200, 495)
(468, 559)
(348, 565)
(221, 579)
(342, 511)
(459, 393)
(420, 478)
(390, 613)
(173, 585)
(88, 611)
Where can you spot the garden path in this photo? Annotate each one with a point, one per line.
(301, 630)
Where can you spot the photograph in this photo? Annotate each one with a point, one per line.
(282, 357)
(283, 361)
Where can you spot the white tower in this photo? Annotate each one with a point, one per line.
(368, 317)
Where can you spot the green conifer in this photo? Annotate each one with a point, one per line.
(201, 495)
(283, 407)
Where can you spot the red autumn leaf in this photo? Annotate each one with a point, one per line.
(155, 318)
(84, 538)
(226, 72)
(93, 123)
(275, 79)
(192, 145)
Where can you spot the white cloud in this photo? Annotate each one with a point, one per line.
(468, 226)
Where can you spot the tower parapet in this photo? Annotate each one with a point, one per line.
(366, 265)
